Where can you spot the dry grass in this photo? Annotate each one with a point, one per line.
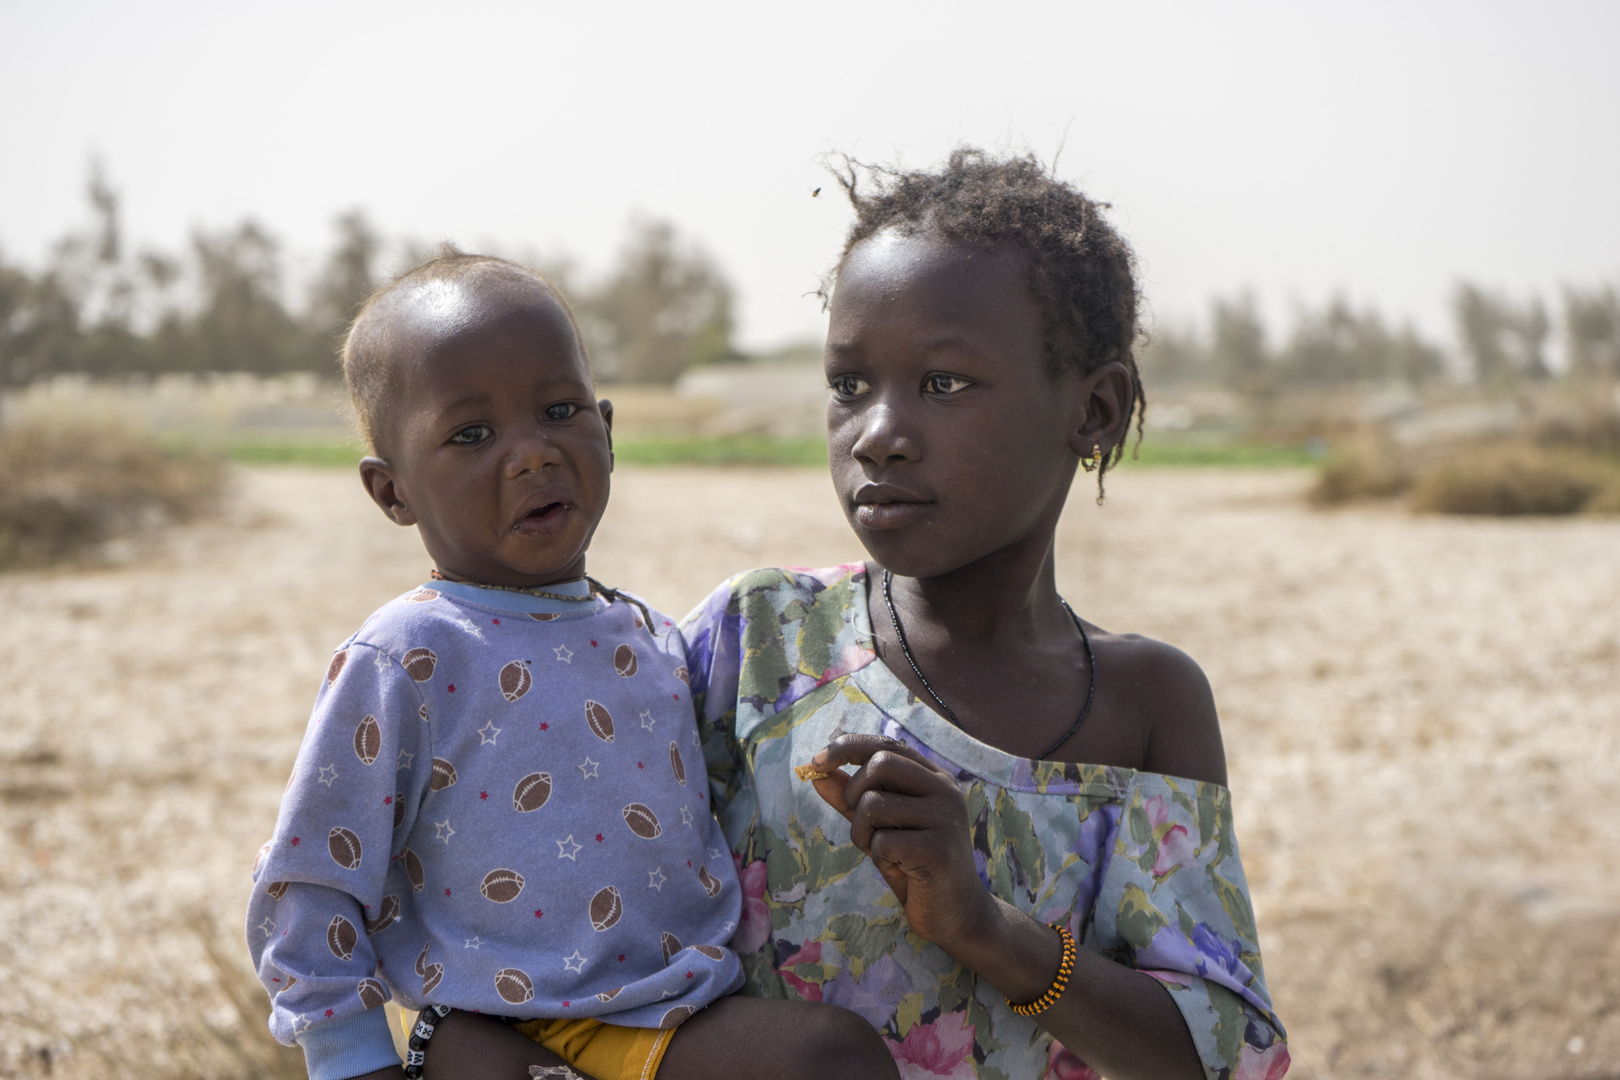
(65, 489)
(1420, 714)
(1516, 480)
(1513, 479)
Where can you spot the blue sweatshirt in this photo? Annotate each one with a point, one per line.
(499, 805)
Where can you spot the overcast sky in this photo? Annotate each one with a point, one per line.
(1296, 149)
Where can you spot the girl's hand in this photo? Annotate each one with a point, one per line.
(908, 816)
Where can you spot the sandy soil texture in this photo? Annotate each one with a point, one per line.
(1422, 720)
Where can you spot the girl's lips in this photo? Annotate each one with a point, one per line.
(891, 515)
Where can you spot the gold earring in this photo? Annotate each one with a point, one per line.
(1094, 462)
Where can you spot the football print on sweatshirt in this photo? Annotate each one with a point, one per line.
(367, 740)
(624, 661)
(599, 720)
(419, 664)
(515, 680)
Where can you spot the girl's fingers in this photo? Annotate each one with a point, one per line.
(877, 758)
(858, 750)
(876, 810)
(831, 789)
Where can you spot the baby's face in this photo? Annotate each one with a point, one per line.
(498, 449)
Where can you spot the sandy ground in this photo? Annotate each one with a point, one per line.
(1422, 720)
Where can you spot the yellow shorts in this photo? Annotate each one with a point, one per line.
(604, 1051)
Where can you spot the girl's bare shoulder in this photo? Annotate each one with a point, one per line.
(1170, 699)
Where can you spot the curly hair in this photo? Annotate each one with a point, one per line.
(370, 368)
(1082, 272)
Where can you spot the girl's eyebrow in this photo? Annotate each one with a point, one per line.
(940, 344)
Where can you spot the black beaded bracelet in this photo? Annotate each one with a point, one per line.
(416, 1046)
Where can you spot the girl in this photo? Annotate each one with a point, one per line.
(1032, 871)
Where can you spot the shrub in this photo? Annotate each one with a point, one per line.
(65, 488)
(1513, 480)
(1361, 474)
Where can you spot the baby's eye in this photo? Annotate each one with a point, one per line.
(848, 386)
(561, 411)
(945, 384)
(472, 435)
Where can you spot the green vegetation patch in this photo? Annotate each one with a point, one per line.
(807, 451)
(1246, 455)
(337, 455)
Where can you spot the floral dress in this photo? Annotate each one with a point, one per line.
(1143, 867)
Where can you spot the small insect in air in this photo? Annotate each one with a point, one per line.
(816, 192)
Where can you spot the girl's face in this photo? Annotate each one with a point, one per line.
(949, 440)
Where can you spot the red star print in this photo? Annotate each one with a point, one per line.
(447, 892)
(565, 1004)
(639, 765)
(545, 726)
(621, 958)
(388, 800)
(328, 1012)
(688, 974)
(483, 794)
(689, 864)
(598, 838)
(668, 623)
(700, 796)
(451, 688)
(537, 913)
(295, 841)
(677, 697)
(593, 644)
(273, 979)
(497, 622)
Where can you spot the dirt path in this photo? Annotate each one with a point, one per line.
(1422, 720)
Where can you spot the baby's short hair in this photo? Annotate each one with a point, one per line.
(371, 370)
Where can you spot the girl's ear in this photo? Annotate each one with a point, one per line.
(378, 477)
(1102, 401)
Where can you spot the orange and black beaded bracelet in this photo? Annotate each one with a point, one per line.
(1059, 984)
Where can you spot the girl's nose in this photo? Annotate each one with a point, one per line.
(530, 452)
(883, 438)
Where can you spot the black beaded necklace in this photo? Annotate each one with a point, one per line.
(1091, 666)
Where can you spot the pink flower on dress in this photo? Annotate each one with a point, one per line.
(942, 1048)
(1269, 1064)
(755, 928)
(1176, 847)
(807, 954)
(1062, 1065)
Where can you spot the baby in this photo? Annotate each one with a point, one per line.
(500, 804)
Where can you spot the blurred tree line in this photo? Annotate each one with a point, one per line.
(1503, 343)
(97, 308)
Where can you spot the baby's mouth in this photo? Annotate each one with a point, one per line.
(541, 517)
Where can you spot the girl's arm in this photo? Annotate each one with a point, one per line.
(909, 817)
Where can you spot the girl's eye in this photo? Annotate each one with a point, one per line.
(561, 411)
(848, 386)
(945, 384)
(472, 435)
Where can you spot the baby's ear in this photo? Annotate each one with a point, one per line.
(378, 477)
(605, 407)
